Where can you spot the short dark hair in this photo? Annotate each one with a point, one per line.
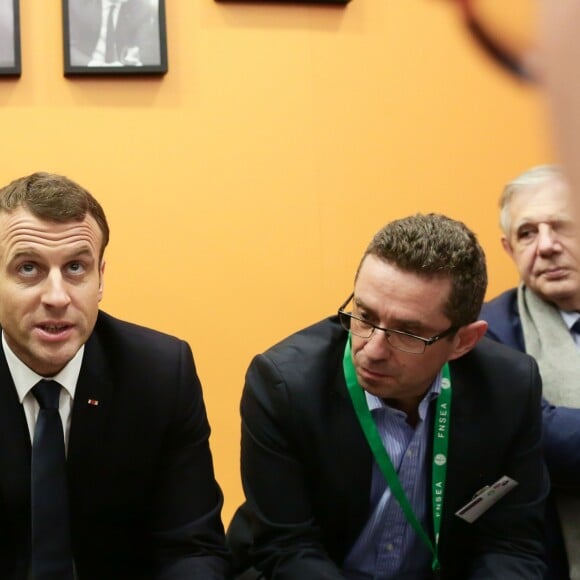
(54, 198)
(434, 245)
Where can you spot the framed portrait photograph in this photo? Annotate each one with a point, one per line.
(114, 37)
(320, 2)
(9, 38)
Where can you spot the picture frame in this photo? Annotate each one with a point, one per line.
(10, 62)
(114, 37)
(297, 2)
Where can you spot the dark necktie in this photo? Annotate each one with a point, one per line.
(51, 547)
(110, 40)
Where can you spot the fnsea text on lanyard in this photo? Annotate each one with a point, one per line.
(440, 444)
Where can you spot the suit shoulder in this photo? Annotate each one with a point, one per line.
(309, 360)
(122, 334)
(505, 304)
(137, 358)
(310, 343)
(497, 363)
(488, 349)
(503, 318)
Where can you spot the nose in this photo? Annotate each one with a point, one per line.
(548, 242)
(377, 346)
(55, 291)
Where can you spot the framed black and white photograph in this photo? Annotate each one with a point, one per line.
(9, 38)
(114, 37)
(297, 2)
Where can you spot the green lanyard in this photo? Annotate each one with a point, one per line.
(440, 444)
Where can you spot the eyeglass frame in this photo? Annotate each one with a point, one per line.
(426, 341)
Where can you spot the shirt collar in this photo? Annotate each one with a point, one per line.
(375, 402)
(25, 378)
(107, 4)
(570, 318)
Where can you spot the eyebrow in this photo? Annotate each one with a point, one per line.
(414, 325)
(551, 219)
(31, 253)
(84, 251)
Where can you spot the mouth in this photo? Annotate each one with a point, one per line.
(554, 273)
(54, 330)
(371, 374)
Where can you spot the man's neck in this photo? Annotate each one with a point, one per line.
(409, 406)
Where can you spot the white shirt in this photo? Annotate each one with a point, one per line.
(98, 55)
(570, 318)
(25, 378)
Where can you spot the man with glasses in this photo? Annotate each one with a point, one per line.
(392, 440)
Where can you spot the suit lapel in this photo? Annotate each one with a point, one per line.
(466, 469)
(16, 447)
(91, 408)
(353, 461)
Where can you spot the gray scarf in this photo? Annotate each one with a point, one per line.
(549, 341)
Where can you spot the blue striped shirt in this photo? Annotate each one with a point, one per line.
(388, 547)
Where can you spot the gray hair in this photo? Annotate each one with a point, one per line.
(526, 180)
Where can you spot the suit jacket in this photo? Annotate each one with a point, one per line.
(561, 431)
(144, 501)
(137, 25)
(306, 466)
(504, 321)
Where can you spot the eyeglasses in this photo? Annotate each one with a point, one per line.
(403, 341)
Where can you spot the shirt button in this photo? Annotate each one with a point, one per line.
(390, 547)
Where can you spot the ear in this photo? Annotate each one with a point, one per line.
(101, 280)
(467, 337)
(507, 246)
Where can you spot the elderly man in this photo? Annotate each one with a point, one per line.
(541, 317)
(389, 441)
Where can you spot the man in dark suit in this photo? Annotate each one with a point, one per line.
(541, 317)
(410, 378)
(113, 32)
(138, 479)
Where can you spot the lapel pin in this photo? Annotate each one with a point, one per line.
(93, 402)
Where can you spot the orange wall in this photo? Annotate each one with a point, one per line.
(243, 186)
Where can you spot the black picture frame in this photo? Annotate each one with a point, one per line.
(139, 46)
(297, 2)
(10, 63)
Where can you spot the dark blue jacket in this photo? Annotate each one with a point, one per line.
(561, 428)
